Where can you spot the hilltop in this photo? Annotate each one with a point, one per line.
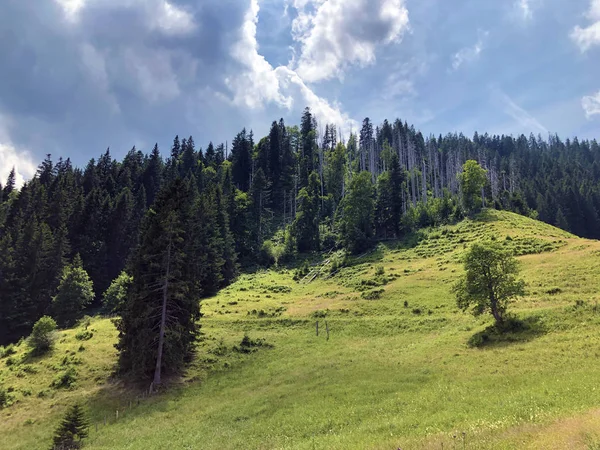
(391, 366)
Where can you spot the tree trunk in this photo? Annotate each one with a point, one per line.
(163, 319)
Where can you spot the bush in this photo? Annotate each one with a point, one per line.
(42, 336)
(84, 335)
(7, 351)
(114, 298)
(4, 398)
(266, 255)
(65, 379)
(379, 271)
(372, 295)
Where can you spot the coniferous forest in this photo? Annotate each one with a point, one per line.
(146, 237)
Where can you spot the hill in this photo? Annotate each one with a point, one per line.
(391, 366)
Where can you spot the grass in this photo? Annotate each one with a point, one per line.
(396, 371)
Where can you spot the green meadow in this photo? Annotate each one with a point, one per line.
(392, 366)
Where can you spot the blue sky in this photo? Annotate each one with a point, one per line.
(79, 76)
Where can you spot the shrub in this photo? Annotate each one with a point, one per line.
(84, 335)
(372, 295)
(4, 398)
(65, 379)
(266, 255)
(7, 351)
(114, 298)
(379, 271)
(42, 336)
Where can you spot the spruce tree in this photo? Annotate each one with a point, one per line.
(72, 430)
(159, 321)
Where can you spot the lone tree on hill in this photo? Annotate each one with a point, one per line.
(72, 429)
(75, 292)
(472, 180)
(42, 336)
(490, 282)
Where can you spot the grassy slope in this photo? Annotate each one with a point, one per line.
(388, 377)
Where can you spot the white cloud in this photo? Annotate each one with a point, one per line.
(11, 157)
(21, 161)
(524, 8)
(260, 84)
(172, 20)
(586, 37)
(591, 105)
(161, 15)
(525, 120)
(335, 34)
(469, 54)
(71, 7)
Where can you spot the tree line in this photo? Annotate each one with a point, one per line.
(152, 235)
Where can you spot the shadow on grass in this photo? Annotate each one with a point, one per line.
(512, 331)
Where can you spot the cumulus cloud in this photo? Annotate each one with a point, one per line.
(591, 105)
(469, 54)
(586, 37)
(260, 84)
(159, 15)
(334, 34)
(82, 76)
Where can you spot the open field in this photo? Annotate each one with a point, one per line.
(395, 372)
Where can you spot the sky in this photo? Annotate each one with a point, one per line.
(79, 76)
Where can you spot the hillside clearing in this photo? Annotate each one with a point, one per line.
(395, 371)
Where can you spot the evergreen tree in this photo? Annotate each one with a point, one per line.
(241, 160)
(159, 321)
(10, 184)
(306, 225)
(72, 430)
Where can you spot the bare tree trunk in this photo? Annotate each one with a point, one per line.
(163, 320)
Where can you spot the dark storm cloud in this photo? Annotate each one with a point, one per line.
(118, 74)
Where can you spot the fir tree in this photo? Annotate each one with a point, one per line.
(72, 430)
(158, 325)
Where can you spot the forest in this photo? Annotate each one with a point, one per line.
(144, 238)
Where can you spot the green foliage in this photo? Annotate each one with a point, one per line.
(490, 282)
(306, 224)
(42, 336)
(65, 379)
(75, 292)
(472, 179)
(84, 335)
(7, 351)
(165, 271)
(72, 429)
(357, 209)
(115, 296)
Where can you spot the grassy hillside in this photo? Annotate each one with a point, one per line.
(396, 370)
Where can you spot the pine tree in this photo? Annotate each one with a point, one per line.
(10, 183)
(72, 430)
(158, 325)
